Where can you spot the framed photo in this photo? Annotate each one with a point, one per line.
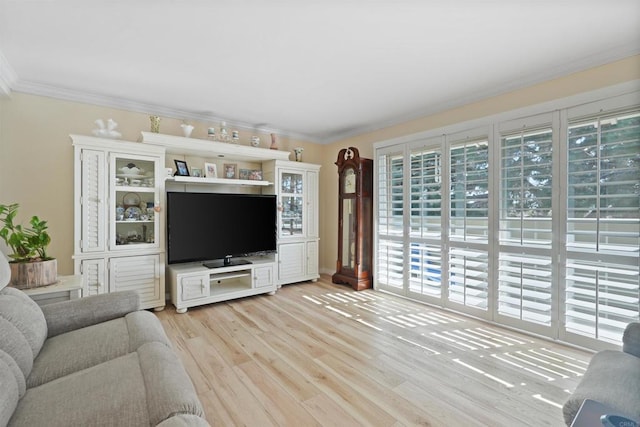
(256, 175)
(251, 175)
(230, 170)
(197, 172)
(181, 168)
(244, 173)
(210, 170)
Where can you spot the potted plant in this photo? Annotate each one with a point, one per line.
(30, 264)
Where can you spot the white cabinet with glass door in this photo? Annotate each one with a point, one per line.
(296, 185)
(119, 188)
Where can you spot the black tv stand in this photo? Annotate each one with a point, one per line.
(226, 262)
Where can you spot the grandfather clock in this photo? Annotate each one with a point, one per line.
(355, 220)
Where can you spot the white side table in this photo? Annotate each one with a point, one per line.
(66, 288)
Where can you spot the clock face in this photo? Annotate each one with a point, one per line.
(349, 181)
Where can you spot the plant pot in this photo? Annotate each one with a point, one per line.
(25, 275)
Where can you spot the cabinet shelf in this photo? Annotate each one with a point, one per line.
(225, 276)
(209, 181)
(134, 189)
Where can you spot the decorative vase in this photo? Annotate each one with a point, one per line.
(255, 141)
(155, 124)
(274, 144)
(298, 153)
(186, 129)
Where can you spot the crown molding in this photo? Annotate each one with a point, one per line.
(8, 76)
(92, 98)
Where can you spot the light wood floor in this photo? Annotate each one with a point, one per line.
(322, 354)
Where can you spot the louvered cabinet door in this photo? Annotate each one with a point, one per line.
(93, 201)
(94, 279)
(138, 273)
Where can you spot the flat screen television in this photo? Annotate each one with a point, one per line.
(214, 227)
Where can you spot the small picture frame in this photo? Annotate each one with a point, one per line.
(210, 170)
(244, 173)
(255, 175)
(251, 174)
(181, 168)
(197, 172)
(230, 170)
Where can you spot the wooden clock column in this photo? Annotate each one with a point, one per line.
(355, 220)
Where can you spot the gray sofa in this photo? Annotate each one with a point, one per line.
(612, 378)
(95, 361)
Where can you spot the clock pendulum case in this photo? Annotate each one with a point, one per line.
(355, 220)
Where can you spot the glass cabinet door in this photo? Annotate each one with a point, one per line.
(292, 204)
(134, 197)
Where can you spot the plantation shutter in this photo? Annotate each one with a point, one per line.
(390, 222)
(469, 224)
(525, 227)
(603, 225)
(425, 220)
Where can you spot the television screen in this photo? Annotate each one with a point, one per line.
(211, 226)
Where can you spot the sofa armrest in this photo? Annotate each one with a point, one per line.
(70, 315)
(631, 339)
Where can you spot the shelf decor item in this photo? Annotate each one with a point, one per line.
(30, 265)
(186, 129)
(274, 143)
(108, 131)
(210, 170)
(155, 124)
(298, 153)
(181, 168)
(230, 170)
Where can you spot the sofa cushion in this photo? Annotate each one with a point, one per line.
(109, 394)
(16, 371)
(8, 392)
(612, 378)
(86, 347)
(25, 315)
(140, 388)
(16, 346)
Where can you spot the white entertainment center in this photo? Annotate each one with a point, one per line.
(120, 218)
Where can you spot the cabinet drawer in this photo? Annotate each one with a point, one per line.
(194, 287)
(262, 276)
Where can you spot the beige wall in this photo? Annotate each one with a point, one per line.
(36, 156)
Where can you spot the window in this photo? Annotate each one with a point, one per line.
(532, 223)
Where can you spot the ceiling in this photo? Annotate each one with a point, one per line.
(317, 70)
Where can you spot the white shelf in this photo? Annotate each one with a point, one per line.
(207, 148)
(209, 181)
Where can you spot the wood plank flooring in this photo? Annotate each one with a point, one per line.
(319, 354)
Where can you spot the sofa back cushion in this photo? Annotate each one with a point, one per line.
(8, 392)
(22, 326)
